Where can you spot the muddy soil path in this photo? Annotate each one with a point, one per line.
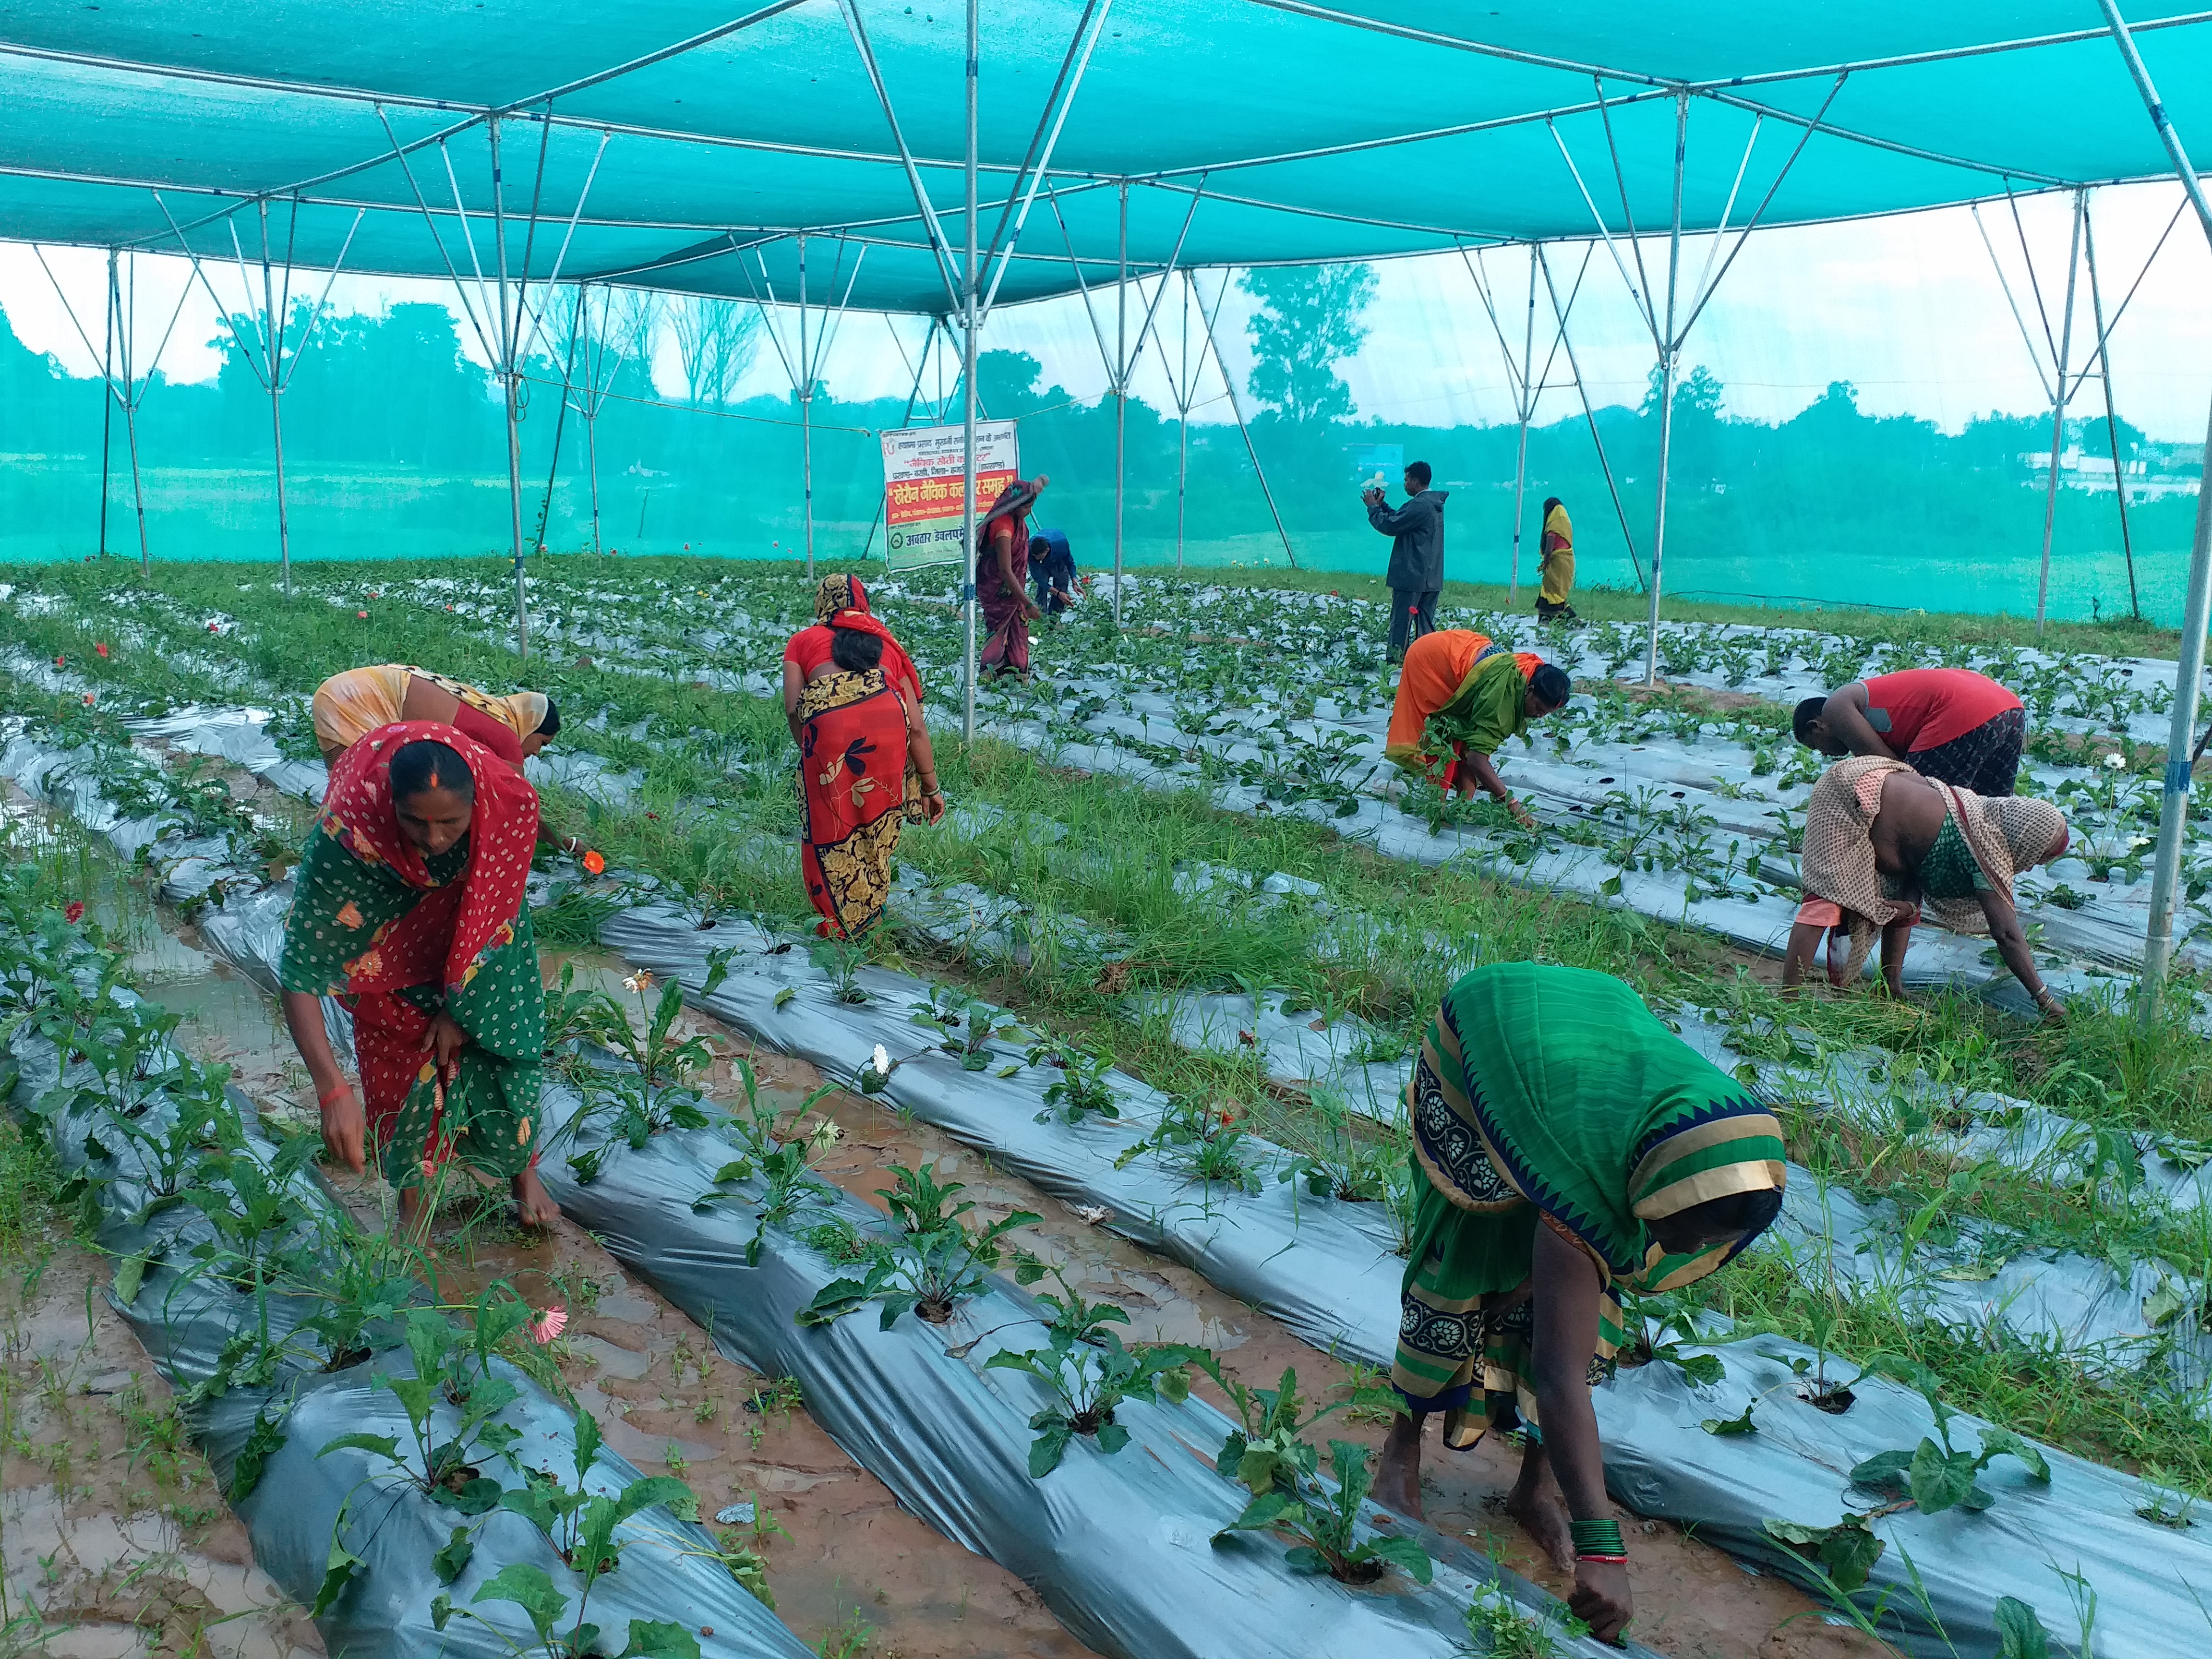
(114, 1540)
(851, 1571)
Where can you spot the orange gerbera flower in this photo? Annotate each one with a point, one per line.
(594, 864)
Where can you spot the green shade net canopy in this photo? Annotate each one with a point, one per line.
(685, 147)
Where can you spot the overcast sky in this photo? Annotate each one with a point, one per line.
(1909, 309)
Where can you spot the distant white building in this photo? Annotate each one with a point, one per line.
(2160, 470)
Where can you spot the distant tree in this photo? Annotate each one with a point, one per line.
(715, 340)
(1006, 382)
(1308, 322)
(1697, 395)
(633, 324)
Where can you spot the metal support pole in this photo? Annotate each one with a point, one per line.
(2197, 611)
(509, 369)
(968, 388)
(1589, 413)
(1183, 424)
(1669, 348)
(272, 337)
(125, 305)
(2111, 417)
(1236, 408)
(595, 362)
(560, 421)
(2058, 399)
(107, 402)
(807, 411)
(1120, 394)
(1527, 401)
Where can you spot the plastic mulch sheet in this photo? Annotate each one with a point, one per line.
(669, 1567)
(1335, 1284)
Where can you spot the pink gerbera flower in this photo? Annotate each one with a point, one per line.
(548, 1325)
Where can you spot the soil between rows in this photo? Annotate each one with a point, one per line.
(849, 1565)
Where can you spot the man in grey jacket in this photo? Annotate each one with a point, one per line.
(1416, 573)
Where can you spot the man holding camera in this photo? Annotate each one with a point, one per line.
(1416, 572)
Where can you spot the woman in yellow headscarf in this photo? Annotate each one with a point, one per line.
(348, 706)
(1558, 566)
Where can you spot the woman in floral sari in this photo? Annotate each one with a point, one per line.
(1002, 574)
(861, 746)
(410, 910)
(348, 706)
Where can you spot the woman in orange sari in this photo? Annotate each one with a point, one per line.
(859, 741)
(1488, 692)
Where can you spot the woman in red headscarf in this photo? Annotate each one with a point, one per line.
(843, 602)
(1002, 575)
(410, 910)
(865, 770)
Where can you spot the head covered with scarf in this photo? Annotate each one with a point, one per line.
(401, 935)
(842, 601)
(1556, 1088)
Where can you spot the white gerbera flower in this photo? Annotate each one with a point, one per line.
(881, 1060)
(2116, 761)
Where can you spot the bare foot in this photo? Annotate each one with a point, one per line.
(1542, 1513)
(414, 1210)
(536, 1203)
(1397, 1488)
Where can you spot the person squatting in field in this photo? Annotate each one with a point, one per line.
(408, 908)
(1884, 844)
(1949, 724)
(1482, 691)
(348, 706)
(1565, 1145)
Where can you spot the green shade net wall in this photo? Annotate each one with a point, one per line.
(685, 148)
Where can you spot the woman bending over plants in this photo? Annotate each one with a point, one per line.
(1565, 1145)
(1882, 843)
(1476, 695)
(410, 910)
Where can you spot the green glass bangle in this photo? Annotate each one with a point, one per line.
(1596, 1537)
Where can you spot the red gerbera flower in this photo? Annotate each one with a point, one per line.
(74, 912)
(100, 649)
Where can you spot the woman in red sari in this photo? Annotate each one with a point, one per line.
(865, 768)
(409, 909)
(1002, 575)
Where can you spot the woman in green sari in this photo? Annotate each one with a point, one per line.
(1565, 1143)
(1477, 694)
(410, 910)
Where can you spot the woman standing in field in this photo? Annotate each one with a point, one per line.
(865, 768)
(1565, 1143)
(1556, 563)
(843, 602)
(1002, 579)
(410, 910)
(348, 706)
(1883, 842)
(1492, 693)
